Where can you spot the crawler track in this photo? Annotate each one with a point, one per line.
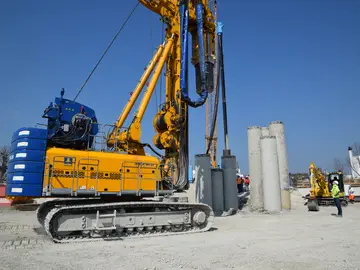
(99, 221)
(314, 204)
(47, 206)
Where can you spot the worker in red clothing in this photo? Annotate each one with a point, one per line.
(247, 180)
(351, 192)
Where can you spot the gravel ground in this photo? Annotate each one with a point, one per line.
(292, 240)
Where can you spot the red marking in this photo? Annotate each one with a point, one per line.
(3, 201)
(2, 191)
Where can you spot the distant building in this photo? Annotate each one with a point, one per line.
(354, 163)
(299, 180)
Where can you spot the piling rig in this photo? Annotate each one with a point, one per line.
(103, 184)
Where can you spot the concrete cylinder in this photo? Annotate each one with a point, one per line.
(265, 131)
(254, 155)
(217, 191)
(270, 175)
(276, 129)
(203, 193)
(228, 164)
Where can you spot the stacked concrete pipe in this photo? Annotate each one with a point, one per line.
(268, 169)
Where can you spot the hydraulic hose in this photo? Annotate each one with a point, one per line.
(226, 139)
(184, 24)
(183, 177)
(216, 105)
(184, 13)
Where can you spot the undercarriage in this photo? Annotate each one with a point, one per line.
(313, 204)
(74, 220)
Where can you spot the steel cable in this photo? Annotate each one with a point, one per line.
(121, 28)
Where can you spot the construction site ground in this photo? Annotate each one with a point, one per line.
(292, 240)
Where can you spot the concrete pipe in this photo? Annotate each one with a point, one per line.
(254, 155)
(270, 168)
(276, 129)
(265, 131)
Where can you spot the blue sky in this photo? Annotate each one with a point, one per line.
(295, 61)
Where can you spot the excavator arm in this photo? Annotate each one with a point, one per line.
(171, 122)
(319, 186)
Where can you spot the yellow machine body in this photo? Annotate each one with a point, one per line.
(101, 172)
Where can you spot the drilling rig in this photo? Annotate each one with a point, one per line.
(104, 184)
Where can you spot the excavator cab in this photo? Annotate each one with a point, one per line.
(338, 176)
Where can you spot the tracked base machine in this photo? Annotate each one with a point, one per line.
(104, 184)
(320, 193)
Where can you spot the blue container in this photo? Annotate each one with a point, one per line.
(23, 190)
(26, 166)
(27, 155)
(27, 143)
(25, 178)
(30, 133)
(26, 162)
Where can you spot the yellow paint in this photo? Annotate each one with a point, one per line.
(119, 123)
(100, 171)
(174, 110)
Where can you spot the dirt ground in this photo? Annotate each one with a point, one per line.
(292, 240)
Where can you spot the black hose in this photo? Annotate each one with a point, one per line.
(182, 162)
(216, 105)
(223, 91)
(152, 149)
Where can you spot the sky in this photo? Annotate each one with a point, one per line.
(293, 61)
